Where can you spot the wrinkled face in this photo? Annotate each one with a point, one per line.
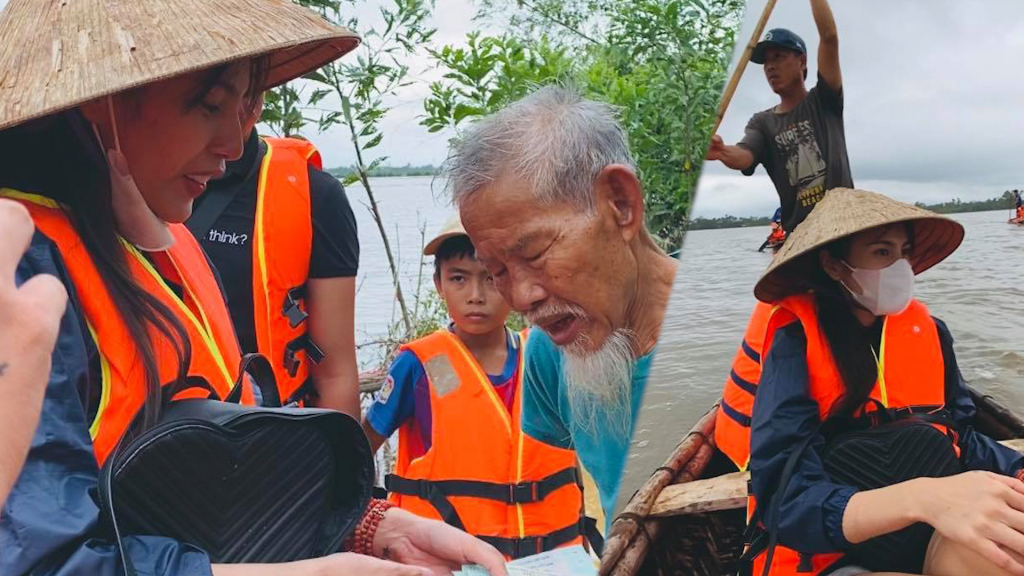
(177, 135)
(571, 273)
(783, 67)
(468, 291)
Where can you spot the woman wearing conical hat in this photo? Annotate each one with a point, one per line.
(862, 459)
(114, 115)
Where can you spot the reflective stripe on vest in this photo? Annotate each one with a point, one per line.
(201, 310)
(732, 424)
(481, 470)
(282, 242)
(911, 374)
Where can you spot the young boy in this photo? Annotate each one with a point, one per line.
(454, 397)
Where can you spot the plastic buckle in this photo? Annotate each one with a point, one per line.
(291, 363)
(292, 311)
(523, 493)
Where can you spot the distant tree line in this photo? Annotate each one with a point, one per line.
(386, 171)
(954, 206)
(727, 222)
(957, 205)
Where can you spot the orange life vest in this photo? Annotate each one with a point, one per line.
(911, 374)
(282, 242)
(201, 310)
(482, 473)
(732, 424)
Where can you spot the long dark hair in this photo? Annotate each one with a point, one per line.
(849, 341)
(58, 157)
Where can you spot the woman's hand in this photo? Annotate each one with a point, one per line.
(29, 322)
(979, 510)
(436, 546)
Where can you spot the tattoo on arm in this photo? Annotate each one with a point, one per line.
(3, 367)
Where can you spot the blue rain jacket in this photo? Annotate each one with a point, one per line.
(50, 524)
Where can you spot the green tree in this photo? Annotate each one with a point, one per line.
(358, 86)
(661, 62)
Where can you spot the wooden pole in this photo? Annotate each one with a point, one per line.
(625, 527)
(742, 65)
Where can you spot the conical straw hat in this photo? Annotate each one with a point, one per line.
(57, 54)
(843, 212)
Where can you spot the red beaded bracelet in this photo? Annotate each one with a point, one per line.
(1020, 475)
(361, 541)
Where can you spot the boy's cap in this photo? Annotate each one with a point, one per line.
(451, 229)
(778, 37)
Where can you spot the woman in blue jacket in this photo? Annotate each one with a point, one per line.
(161, 86)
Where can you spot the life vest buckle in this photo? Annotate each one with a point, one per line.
(291, 308)
(523, 493)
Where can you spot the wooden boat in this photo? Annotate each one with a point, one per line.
(689, 518)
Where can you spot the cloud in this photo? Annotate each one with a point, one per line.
(932, 100)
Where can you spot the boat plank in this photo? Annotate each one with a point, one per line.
(724, 492)
(720, 493)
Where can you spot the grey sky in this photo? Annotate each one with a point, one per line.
(932, 100)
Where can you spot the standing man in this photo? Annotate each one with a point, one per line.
(800, 141)
(282, 235)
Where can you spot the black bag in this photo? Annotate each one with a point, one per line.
(880, 449)
(882, 456)
(245, 484)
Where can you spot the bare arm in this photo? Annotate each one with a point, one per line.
(376, 440)
(734, 157)
(331, 306)
(828, 44)
(980, 510)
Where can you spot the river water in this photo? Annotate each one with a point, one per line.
(978, 291)
(407, 204)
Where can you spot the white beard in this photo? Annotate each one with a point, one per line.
(599, 384)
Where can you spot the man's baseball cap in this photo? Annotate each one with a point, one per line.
(778, 37)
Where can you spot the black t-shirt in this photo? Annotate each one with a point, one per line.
(335, 247)
(803, 151)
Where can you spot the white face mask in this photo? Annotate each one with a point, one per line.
(135, 221)
(885, 291)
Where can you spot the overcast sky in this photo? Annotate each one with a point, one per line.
(933, 92)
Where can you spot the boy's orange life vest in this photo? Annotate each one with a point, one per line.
(201, 310)
(282, 242)
(482, 473)
(911, 374)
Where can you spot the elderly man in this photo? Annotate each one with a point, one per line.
(548, 192)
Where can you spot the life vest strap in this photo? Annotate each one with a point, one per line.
(521, 547)
(521, 493)
(292, 349)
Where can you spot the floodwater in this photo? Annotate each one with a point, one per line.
(978, 291)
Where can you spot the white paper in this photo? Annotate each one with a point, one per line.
(571, 561)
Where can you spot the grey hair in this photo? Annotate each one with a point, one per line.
(553, 139)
